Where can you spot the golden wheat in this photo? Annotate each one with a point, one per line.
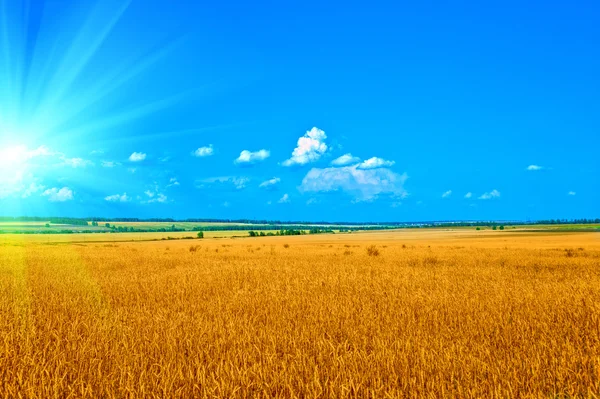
(362, 315)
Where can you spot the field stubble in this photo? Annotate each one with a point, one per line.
(301, 317)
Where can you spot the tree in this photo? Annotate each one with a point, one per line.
(493, 227)
(501, 227)
(200, 234)
(478, 228)
(107, 225)
(47, 224)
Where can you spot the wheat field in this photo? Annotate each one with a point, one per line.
(373, 315)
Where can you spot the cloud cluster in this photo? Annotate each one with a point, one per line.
(270, 184)
(309, 148)
(447, 194)
(363, 184)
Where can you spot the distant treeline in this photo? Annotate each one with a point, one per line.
(512, 223)
(54, 220)
(289, 232)
(261, 225)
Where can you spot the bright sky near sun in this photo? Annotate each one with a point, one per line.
(354, 111)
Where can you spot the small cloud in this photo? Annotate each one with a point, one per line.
(117, 198)
(97, 152)
(346, 159)
(447, 194)
(270, 184)
(58, 195)
(226, 204)
(131, 170)
(137, 157)
(155, 197)
(396, 204)
(76, 162)
(110, 164)
(535, 167)
(312, 201)
(468, 195)
(490, 195)
(223, 182)
(285, 199)
(374, 163)
(164, 159)
(173, 182)
(204, 151)
(32, 189)
(309, 148)
(248, 157)
(159, 198)
(571, 193)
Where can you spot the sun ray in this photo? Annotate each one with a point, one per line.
(88, 41)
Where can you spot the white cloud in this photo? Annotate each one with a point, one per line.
(109, 164)
(173, 182)
(160, 198)
(248, 157)
(490, 195)
(223, 182)
(97, 152)
(285, 199)
(270, 184)
(41, 151)
(364, 185)
(468, 195)
(32, 189)
(149, 193)
(535, 167)
(76, 162)
(58, 195)
(447, 194)
(310, 147)
(131, 170)
(204, 151)
(117, 198)
(346, 159)
(374, 163)
(312, 201)
(137, 157)
(571, 193)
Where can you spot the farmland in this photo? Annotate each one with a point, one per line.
(406, 313)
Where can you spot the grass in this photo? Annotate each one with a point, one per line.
(436, 314)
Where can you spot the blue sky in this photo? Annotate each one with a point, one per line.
(300, 110)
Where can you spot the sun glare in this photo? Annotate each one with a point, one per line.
(13, 157)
